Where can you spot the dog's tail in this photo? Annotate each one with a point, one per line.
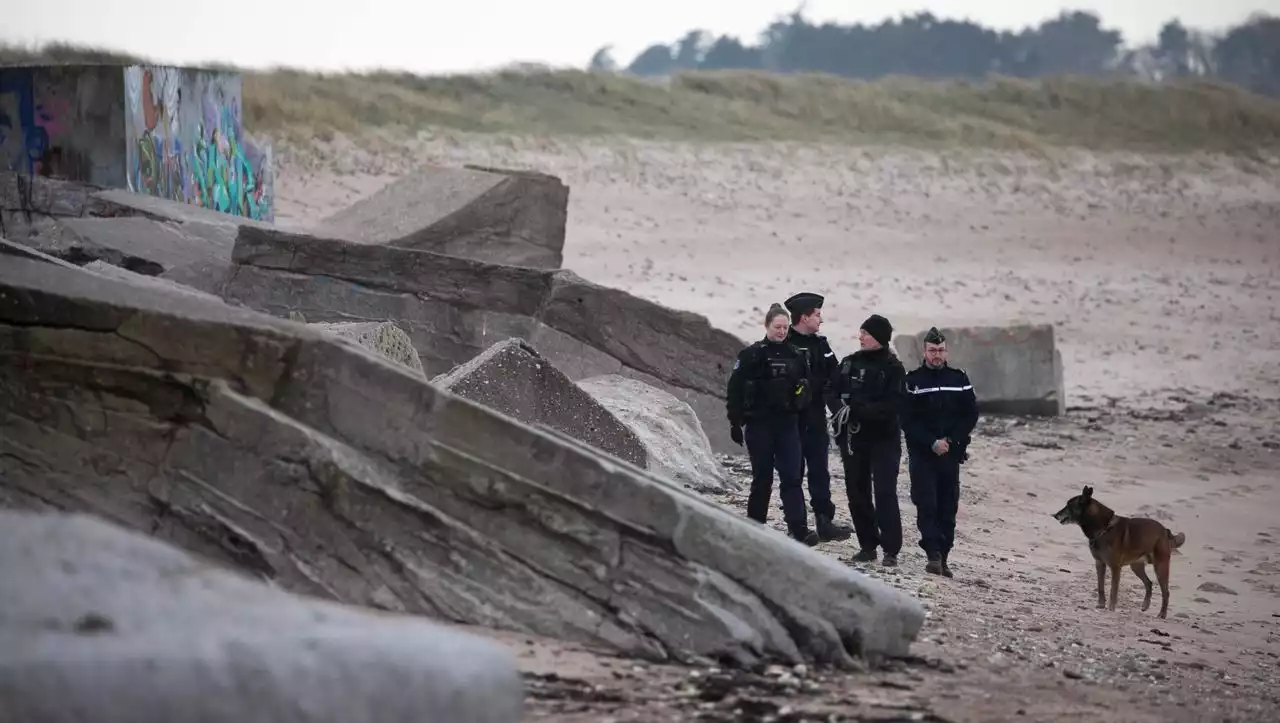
(1175, 541)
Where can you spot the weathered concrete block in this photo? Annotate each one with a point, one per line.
(512, 378)
(9, 248)
(383, 338)
(487, 214)
(102, 268)
(455, 308)
(99, 623)
(676, 446)
(1014, 369)
(275, 448)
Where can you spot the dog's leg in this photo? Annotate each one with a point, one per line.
(1141, 572)
(1115, 585)
(1102, 573)
(1162, 575)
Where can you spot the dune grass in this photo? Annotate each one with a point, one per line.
(998, 112)
(743, 106)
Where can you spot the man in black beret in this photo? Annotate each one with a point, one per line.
(806, 318)
(938, 419)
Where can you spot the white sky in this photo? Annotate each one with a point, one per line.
(465, 35)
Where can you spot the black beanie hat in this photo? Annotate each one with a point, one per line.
(879, 328)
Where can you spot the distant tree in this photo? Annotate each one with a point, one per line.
(653, 60)
(602, 61)
(691, 49)
(1073, 42)
(1249, 55)
(925, 45)
(1174, 48)
(727, 52)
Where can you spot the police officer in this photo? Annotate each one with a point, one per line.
(806, 318)
(768, 388)
(939, 416)
(867, 394)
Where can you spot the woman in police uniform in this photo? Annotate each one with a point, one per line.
(767, 391)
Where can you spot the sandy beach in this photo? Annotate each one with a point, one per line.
(1159, 274)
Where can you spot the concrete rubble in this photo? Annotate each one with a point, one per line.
(148, 235)
(488, 214)
(675, 444)
(104, 624)
(270, 447)
(1015, 369)
(512, 378)
(454, 309)
(383, 338)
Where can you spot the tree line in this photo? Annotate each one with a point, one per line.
(923, 45)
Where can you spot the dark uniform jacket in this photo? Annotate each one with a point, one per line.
(940, 405)
(768, 379)
(822, 364)
(870, 382)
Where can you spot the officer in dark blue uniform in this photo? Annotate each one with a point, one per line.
(768, 388)
(806, 318)
(939, 417)
(867, 396)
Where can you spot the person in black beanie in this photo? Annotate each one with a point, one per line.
(866, 396)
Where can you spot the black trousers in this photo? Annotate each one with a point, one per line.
(815, 444)
(871, 482)
(774, 443)
(935, 491)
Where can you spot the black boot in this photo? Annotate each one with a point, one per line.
(946, 571)
(934, 565)
(866, 554)
(808, 537)
(829, 531)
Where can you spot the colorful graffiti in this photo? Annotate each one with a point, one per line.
(186, 141)
(32, 111)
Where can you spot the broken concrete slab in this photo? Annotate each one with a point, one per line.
(185, 244)
(488, 214)
(673, 439)
(9, 248)
(272, 447)
(107, 624)
(102, 268)
(1014, 369)
(512, 378)
(455, 308)
(29, 203)
(383, 338)
(150, 247)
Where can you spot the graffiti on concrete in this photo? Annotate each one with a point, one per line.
(186, 141)
(30, 121)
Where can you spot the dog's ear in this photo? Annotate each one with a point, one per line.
(1088, 492)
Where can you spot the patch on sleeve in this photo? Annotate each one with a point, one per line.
(736, 363)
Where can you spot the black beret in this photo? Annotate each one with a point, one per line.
(803, 303)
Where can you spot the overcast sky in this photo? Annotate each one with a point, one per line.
(463, 35)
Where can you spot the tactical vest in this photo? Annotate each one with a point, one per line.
(780, 385)
(856, 381)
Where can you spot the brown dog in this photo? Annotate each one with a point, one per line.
(1115, 541)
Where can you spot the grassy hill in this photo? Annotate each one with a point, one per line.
(741, 106)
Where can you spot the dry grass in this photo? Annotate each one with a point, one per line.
(741, 106)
